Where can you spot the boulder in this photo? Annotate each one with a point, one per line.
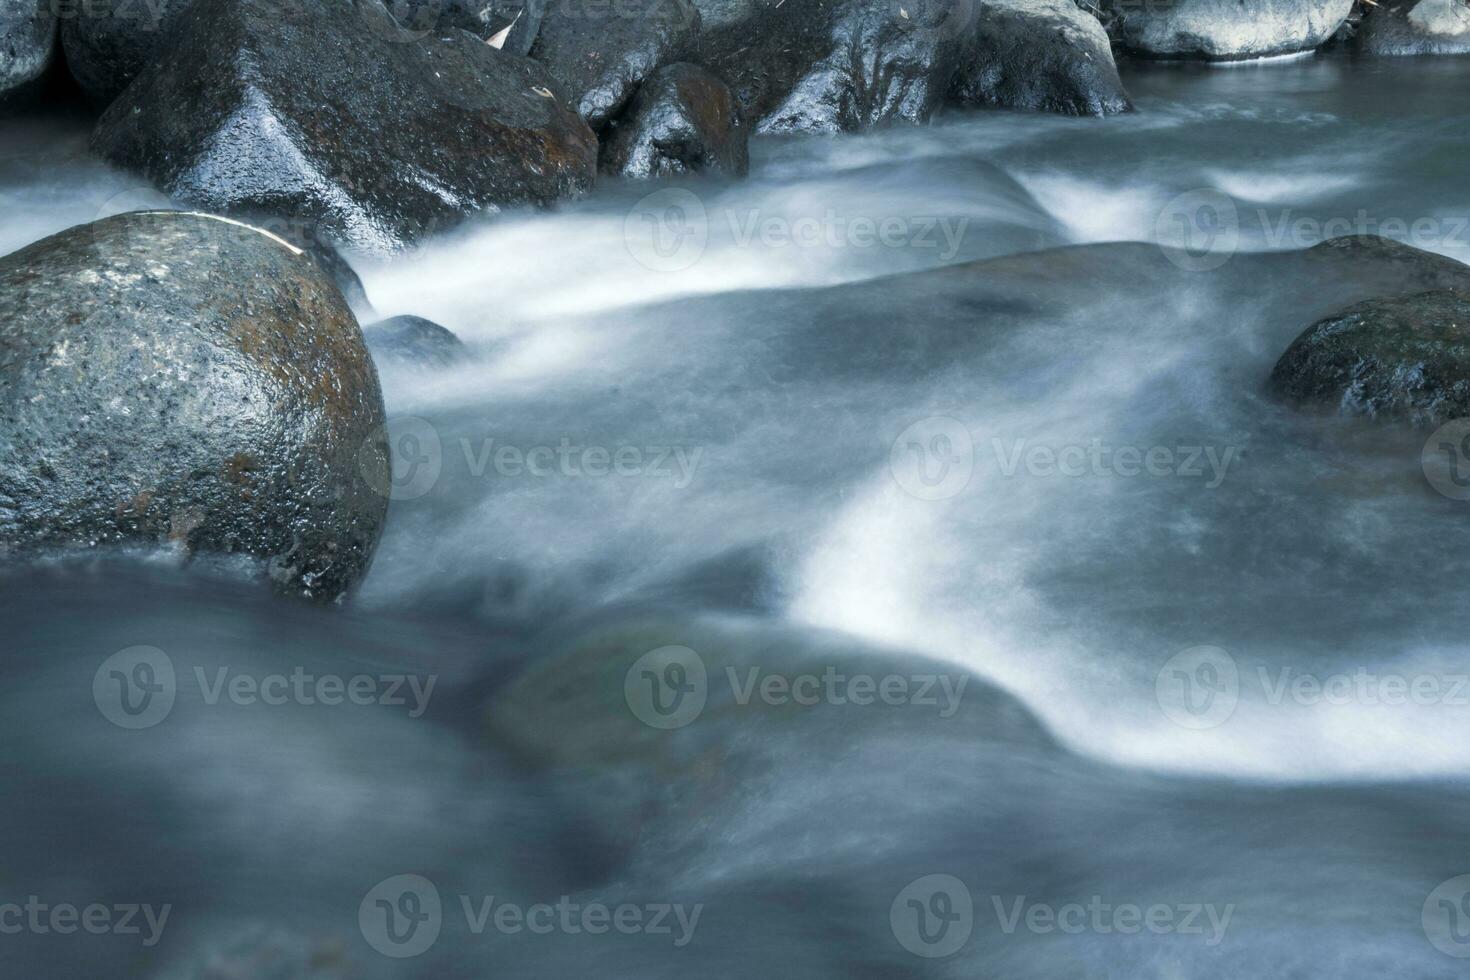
(413, 342)
(1224, 30)
(683, 119)
(182, 381)
(483, 18)
(27, 43)
(602, 50)
(841, 65)
(1399, 357)
(108, 42)
(1408, 27)
(328, 113)
(1041, 55)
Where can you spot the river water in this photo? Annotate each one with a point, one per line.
(901, 406)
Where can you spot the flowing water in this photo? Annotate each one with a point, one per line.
(864, 413)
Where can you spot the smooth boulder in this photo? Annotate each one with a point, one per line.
(1224, 30)
(1413, 27)
(413, 342)
(602, 50)
(329, 114)
(1398, 357)
(1041, 55)
(683, 120)
(27, 44)
(107, 43)
(185, 382)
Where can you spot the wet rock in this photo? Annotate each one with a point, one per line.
(341, 272)
(1413, 270)
(1041, 55)
(109, 42)
(483, 18)
(1401, 357)
(179, 381)
(1409, 27)
(602, 50)
(841, 65)
(372, 136)
(683, 119)
(27, 44)
(413, 342)
(1224, 30)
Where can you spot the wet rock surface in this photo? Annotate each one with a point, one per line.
(601, 51)
(333, 115)
(1224, 30)
(176, 381)
(483, 18)
(27, 44)
(684, 119)
(413, 342)
(1041, 55)
(1413, 27)
(109, 42)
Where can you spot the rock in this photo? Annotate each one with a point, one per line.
(108, 42)
(483, 18)
(411, 341)
(683, 119)
(1411, 269)
(1401, 357)
(182, 381)
(841, 65)
(341, 272)
(1041, 55)
(1408, 27)
(1224, 30)
(27, 43)
(343, 123)
(602, 50)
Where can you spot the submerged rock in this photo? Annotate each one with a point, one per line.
(683, 119)
(1224, 30)
(1409, 27)
(412, 341)
(109, 42)
(27, 44)
(181, 381)
(1401, 357)
(344, 123)
(1046, 55)
(603, 50)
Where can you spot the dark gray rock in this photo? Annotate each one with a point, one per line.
(1041, 55)
(1224, 30)
(683, 119)
(603, 49)
(1410, 27)
(1400, 357)
(1413, 269)
(413, 342)
(834, 66)
(182, 381)
(108, 42)
(27, 44)
(483, 18)
(328, 114)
